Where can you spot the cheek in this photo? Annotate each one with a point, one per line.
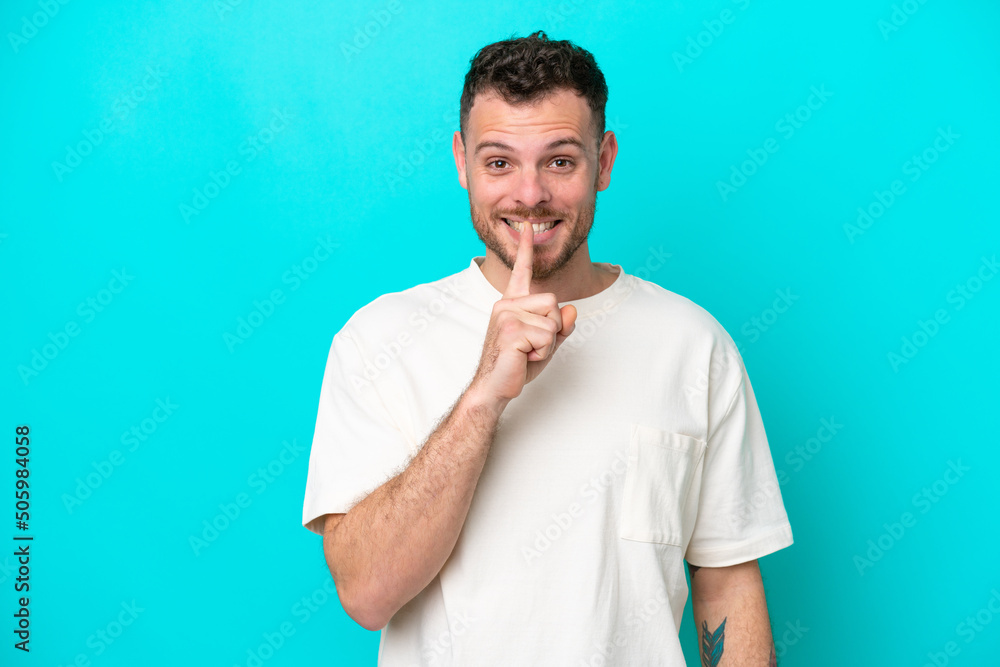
(580, 187)
(575, 199)
(486, 196)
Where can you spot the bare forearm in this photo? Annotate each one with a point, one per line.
(730, 614)
(388, 547)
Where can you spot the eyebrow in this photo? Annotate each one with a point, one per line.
(572, 141)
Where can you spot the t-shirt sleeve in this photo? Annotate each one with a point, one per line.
(356, 446)
(741, 515)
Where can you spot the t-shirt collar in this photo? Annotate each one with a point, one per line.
(485, 295)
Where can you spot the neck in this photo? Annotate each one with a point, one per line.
(577, 279)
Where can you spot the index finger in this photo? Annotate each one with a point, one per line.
(520, 275)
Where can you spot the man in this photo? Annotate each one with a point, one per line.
(511, 464)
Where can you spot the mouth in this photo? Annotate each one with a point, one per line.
(542, 231)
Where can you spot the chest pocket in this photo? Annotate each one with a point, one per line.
(661, 485)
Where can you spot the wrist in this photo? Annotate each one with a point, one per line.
(476, 400)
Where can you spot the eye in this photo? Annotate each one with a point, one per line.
(502, 163)
(567, 161)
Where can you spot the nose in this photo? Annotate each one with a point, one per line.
(530, 189)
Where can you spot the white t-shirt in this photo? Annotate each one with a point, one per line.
(638, 446)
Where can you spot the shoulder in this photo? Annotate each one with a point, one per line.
(680, 319)
(382, 316)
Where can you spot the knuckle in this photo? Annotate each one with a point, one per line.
(509, 326)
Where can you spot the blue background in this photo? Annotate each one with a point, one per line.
(156, 99)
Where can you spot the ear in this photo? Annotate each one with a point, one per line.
(458, 148)
(606, 160)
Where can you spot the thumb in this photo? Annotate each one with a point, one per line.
(569, 320)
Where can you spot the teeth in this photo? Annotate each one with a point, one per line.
(538, 227)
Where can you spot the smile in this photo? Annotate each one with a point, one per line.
(537, 227)
(542, 231)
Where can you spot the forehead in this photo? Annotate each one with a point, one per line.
(562, 112)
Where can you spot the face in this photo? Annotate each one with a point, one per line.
(537, 162)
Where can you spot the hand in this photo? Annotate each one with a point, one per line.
(524, 331)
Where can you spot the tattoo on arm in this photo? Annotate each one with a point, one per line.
(712, 644)
(692, 569)
(773, 661)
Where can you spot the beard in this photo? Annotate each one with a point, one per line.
(544, 266)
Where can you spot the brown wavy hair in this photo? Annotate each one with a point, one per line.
(525, 69)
